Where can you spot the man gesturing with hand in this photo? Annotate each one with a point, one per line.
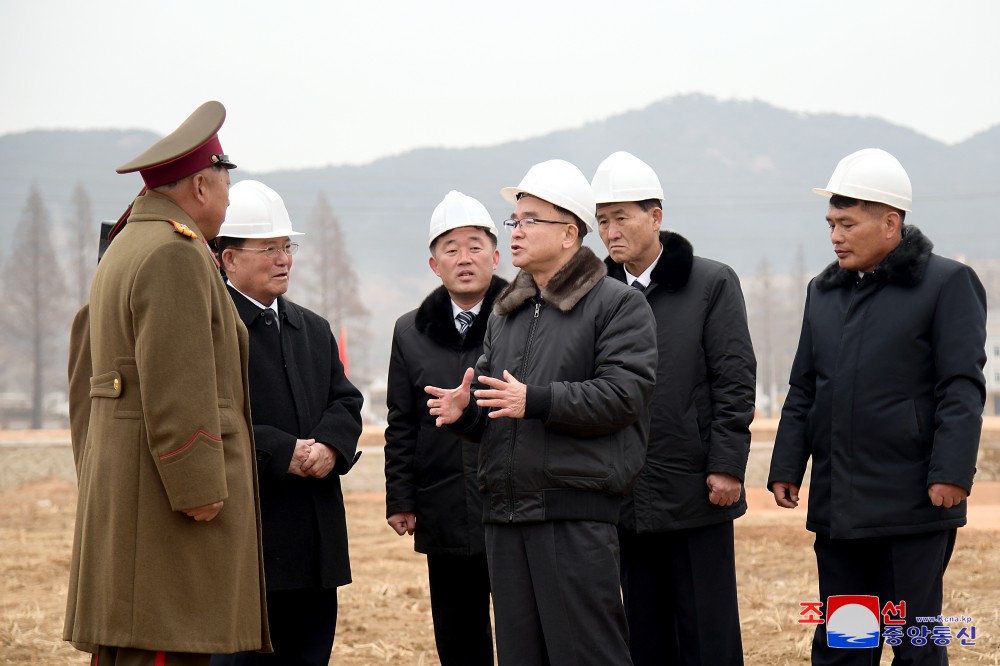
(560, 406)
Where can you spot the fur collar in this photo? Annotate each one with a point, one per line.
(434, 318)
(672, 271)
(904, 266)
(570, 284)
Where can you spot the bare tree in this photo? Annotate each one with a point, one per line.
(763, 323)
(329, 284)
(84, 233)
(35, 301)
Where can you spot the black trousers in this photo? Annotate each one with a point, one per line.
(460, 605)
(556, 595)
(906, 568)
(302, 624)
(679, 589)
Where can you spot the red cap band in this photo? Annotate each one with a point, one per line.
(185, 165)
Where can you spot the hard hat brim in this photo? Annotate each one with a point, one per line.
(510, 194)
(264, 234)
(877, 197)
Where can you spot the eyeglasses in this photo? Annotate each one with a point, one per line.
(529, 222)
(271, 252)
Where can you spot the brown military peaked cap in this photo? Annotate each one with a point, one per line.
(188, 149)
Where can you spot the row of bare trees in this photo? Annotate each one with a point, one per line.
(47, 275)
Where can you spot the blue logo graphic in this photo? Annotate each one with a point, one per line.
(852, 621)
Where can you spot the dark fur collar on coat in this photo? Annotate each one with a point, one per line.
(904, 266)
(435, 320)
(570, 284)
(673, 270)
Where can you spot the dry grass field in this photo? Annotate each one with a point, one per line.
(385, 613)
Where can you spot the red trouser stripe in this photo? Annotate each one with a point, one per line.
(161, 659)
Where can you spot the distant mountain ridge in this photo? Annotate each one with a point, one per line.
(737, 177)
(718, 162)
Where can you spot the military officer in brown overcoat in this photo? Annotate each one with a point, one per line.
(167, 565)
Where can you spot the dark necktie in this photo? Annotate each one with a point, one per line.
(464, 320)
(638, 287)
(269, 332)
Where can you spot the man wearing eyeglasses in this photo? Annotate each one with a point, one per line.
(306, 423)
(561, 410)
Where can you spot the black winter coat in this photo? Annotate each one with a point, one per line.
(582, 346)
(703, 402)
(301, 393)
(886, 394)
(430, 471)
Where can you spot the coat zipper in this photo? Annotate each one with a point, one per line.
(513, 433)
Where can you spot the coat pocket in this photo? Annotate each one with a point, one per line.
(229, 421)
(587, 461)
(122, 386)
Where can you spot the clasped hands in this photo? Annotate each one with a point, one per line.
(309, 459)
(507, 396)
(312, 458)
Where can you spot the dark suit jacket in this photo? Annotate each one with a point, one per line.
(305, 532)
(431, 471)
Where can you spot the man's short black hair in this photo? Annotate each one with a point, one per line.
(649, 204)
(489, 234)
(219, 245)
(580, 226)
(841, 202)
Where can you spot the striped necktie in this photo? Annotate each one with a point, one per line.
(464, 320)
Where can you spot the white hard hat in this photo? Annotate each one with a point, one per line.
(459, 210)
(624, 177)
(871, 175)
(560, 183)
(256, 211)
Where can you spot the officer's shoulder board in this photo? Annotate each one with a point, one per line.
(182, 229)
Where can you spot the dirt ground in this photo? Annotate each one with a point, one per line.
(385, 613)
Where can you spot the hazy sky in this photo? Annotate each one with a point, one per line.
(314, 83)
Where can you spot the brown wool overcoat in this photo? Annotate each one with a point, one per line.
(159, 412)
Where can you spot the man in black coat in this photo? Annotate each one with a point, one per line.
(562, 412)
(678, 567)
(886, 396)
(306, 420)
(430, 473)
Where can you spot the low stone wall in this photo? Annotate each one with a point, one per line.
(31, 455)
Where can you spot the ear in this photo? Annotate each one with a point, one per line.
(570, 234)
(228, 260)
(893, 224)
(432, 262)
(657, 214)
(496, 259)
(199, 187)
